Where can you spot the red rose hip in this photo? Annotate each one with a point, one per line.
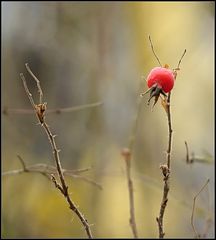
(160, 81)
(161, 76)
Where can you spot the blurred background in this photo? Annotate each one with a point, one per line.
(98, 52)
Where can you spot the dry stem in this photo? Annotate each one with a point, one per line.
(191, 159)
(152, 47)
(127, 154)
(194, 202)
(166, 172)
(8, 111)
(40, 111)
(48, 170)
(166, 167)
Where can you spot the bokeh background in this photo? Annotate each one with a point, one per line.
(89, 52)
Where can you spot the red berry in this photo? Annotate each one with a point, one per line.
(162, 77)
(160, 81)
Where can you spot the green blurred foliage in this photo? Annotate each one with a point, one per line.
(88, 52)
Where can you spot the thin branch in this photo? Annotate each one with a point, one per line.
(126, 153)
(77, 171)
(193, 209)
(209, 220)
(170, 131)
(27, 91)
(134, 130)
(38, 83)
(47, 170)
(152, 47)
(13, 172)
(40, 111)
(75, 108)
(201, 160)
(8, 111)
(191, 159)
(86, 179)
(166, 167)
(178, 66)
(166, 173)
(22, 162)
(187, 153)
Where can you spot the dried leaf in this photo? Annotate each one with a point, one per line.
(164, 104)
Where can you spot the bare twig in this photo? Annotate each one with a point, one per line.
(134, 129)
(23, 163)
(27, 91)
(127, 154)
(209, 220)
(187, 153)
(76, 171)
(38, 83)
(166, 173)
(178, 66)
(48, 170)
(152, 47)
(166, 167)
(197, 235)
(191, 159)
(86, 179)
(201, 160)
(40, 111)
(8, 111)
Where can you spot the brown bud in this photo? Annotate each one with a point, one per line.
(126, 153)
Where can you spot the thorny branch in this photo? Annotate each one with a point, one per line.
(48, 170)
(40, 113)
(166, 172)
(197, 235)
(165, 168)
